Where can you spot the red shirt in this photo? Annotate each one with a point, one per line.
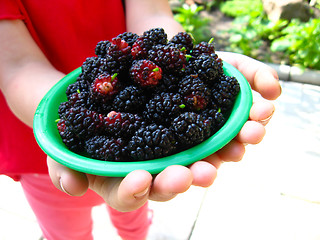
(67, 32)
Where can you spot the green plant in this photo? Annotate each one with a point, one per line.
(250, 32)
(193, 22)
(302, 42)
(236, 8)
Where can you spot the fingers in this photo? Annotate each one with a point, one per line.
(67, 180)
(204, 173)
(170, 182)
(262, 112)
(261, 77)
(123, 194)
(233, 151)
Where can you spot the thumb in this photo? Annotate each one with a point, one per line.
(67, 180)
(123, 194)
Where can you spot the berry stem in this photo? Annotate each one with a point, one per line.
(114, 76)
(211, 40)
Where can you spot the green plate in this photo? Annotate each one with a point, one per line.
(48, 138)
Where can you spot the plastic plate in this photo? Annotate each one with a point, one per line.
(48, 138)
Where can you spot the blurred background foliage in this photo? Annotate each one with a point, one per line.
(252, 32)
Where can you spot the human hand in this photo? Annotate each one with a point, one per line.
(131, 192)
(262, 79)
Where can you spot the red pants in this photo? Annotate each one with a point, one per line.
(63, 217)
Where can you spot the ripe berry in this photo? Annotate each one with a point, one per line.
(106, 148)
(101, 48)
(131, 99)
(69, 138)
(150, 142)
(163, 107)
(182, 40)
(203, 48)
(170, 59)
(196, 94)
(190, 129)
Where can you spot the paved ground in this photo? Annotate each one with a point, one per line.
(273, 193)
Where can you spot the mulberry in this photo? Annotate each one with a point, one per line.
(225, 92)
(80, 99)
(215, 117)
(206, 48)
(207, 67)
(182, 40)
(80, 85)
(145, 42)
(190, 129)
(131, 99)
(122, 124)
(105, 148)
(170, 59)
(95, 66)
(101, 48)
(83, 122)
(146, 73)
(104, 87)
(69, 138)
(129, 37)
(196, 94)
(144, 97)
(150, 142)
(163, 107)
(120, 51)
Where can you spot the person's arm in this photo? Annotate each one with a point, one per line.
(142, 15)
(26, 74)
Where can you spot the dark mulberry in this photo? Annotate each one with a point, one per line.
(122, 124)
(196, 94)
(163, 107)
(190, 129)
(69, 138)
(101, 48)
(209, 68)
(150, 142)
(183, 41)
(170, 59)
(77, 99)
(215, 117)
(129, 37)
(83, 122)
(131, 99)
(206, 48)
(95, 66)
(120, 51)
(226, 92)
(106, 148)
(79, 86)
(145, 42)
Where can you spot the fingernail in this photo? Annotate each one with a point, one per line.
(264, 122)
(142, 193)
(63, 189)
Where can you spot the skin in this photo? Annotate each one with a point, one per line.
(26, 75)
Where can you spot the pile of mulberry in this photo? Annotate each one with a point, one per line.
(144, 97)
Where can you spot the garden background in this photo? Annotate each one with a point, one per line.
(284, 32)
